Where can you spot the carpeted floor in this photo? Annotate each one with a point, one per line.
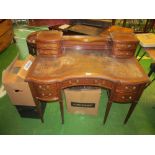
(141, 122)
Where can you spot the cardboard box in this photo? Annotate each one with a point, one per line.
(146, 39)
(13, 80)
(83, 100)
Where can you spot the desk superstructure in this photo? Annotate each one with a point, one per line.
(103, 61)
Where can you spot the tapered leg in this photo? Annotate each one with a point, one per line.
(107, 111)
(39, 110)
(132, 107)
(14, 40)
(62, 111)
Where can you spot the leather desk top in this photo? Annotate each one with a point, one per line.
(75, 64)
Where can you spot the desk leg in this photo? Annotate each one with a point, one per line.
(37, 102)
(132, 107)
(61, 109)
(107, 111)
(39, 110)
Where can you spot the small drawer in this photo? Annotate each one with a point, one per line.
(48, 45)
(124, 97)
(128, 88)
(45, 91)
(124, 46)
(123, 54)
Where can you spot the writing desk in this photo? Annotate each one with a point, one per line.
(49, 75)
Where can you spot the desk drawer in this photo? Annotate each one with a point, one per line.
(123, 53)
(88, 81)
(49, 45)
(128, 88)
(125, 97)
(125, 46)
(46, 91)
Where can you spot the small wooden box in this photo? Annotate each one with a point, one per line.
(49, 43)
(124, 44)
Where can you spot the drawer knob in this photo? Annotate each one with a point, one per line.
(77, 81)
(130, 97)
(47, 86)
(70, 82)
(49, 94)
(129, 45)
(126, 87)
(123, 97)
(43, 94)
(134, 87)
(40, 86)
(127, 53)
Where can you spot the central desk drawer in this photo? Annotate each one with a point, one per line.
(87, 81)
(46, 90)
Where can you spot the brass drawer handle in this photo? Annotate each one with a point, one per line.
(134, 87)
(43, 94)
(40, 86)
(129, 46)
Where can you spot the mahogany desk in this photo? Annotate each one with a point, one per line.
(49, 76)
(105, 61)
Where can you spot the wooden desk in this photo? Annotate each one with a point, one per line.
(49, 76)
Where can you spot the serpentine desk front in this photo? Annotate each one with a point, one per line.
(124, 78)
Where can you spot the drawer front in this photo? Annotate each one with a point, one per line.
(47, 91)
(6, 39)
(49, 45)
(124, 46)
(89, 81)
(125, 97)
(5, 26)
(123, 54)
(128, 88)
